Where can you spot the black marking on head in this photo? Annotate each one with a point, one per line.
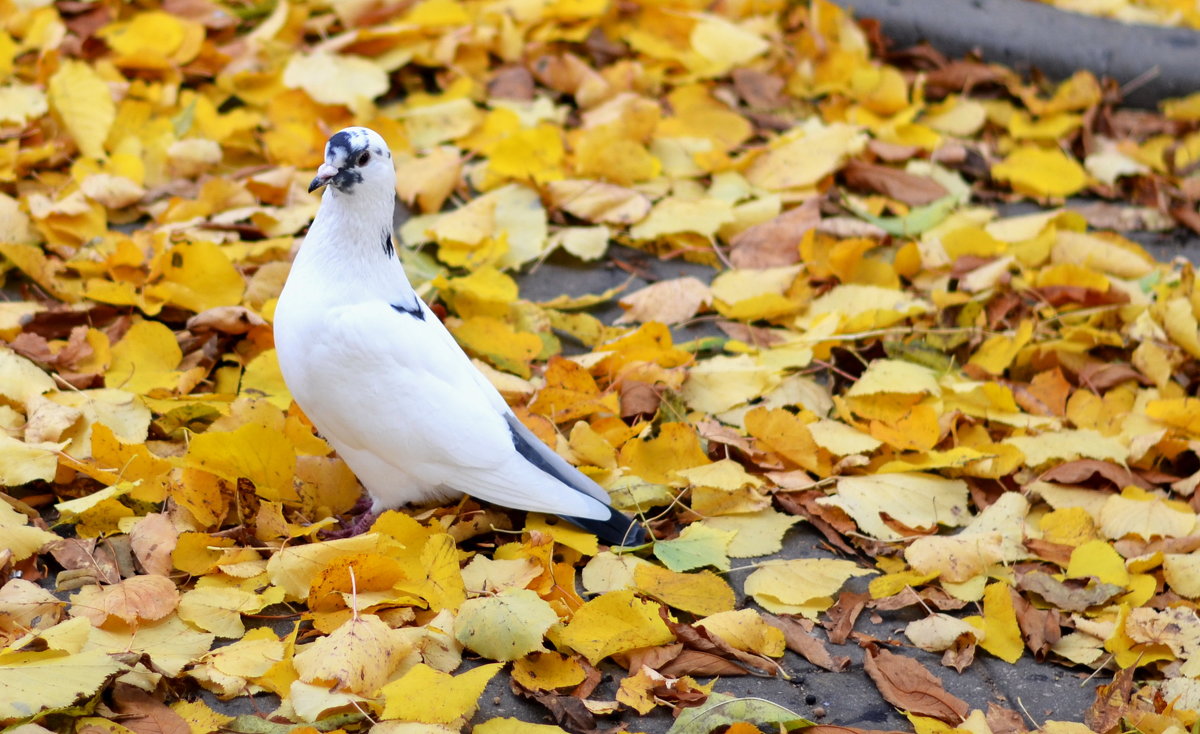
(341, 141)
(388, 249)
(346, 179)
(416, 311)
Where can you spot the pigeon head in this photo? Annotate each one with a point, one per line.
(355, 157)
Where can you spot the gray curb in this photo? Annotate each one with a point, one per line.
(1160, 62)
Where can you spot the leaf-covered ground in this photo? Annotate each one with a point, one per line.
(992, 419)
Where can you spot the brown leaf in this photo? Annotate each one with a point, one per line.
(668, 301)
(592, 678)
(511, 82)
(1112, 701)
(650, 657)
(1056, 553)
(1052, 390)
(961, 654)
(1082, 470)
(758, 89)
(1040, 628)
(892, 182)
(1063, 295)
(777, 242)
(139, 598)
(932, 597)
(82, 553)
(802, 642)
(841, 616)
(225, 319)
(1130, 548)
(153, 539)
(1100, 376)
(697, 663)
(833, 523)
(638, 398)
(1004, 721)
(143, 714)
(908, 685)
(1072, 595)
(701, 640)
(568, 712)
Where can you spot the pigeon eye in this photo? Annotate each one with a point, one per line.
(363, 158)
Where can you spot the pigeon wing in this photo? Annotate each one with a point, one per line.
(419, 403)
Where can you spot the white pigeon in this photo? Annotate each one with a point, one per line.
(384, 381)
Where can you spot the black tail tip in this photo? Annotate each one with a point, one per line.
(616, 529)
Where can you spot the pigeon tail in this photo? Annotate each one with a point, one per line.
(616, 529)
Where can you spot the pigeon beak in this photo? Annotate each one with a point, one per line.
(324, 174)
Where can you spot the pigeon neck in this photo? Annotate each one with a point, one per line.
(350, 242)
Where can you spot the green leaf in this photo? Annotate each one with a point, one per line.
(722, 710)
(504, 627)
(697, 546)
(916, 221)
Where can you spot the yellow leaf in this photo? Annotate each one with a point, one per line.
(801, 586)
(145, 359)
(956, 558)
(219, 610)
(893, 583)
(35, 681)
(199, 717)
(457, 696)
(359, 656)
(22, 462)
(615, 622)
(1182, 573)
(499, 343)
(1071, 526)
(1138, 512)
(1098, 559)
(16, 535)
(253, 451)
(442, 586)
(198, 276)
(1181, 413)
(547, 671)
(1037, 171)
(657, 459)
(20, 103)
(702, 216)
(804, 159)
(595, 201)
(529, 154)
(916, 500)
(84, 103)
(1001, 634)
(745, 629)
(604, 152)
(997, 353)
(336, 79)
(564, 533)
(756, 533)
(721, 382)
(702, 592)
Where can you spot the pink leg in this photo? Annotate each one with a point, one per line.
(358, 521)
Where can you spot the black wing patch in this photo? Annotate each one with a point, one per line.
(415, 311)
(616, 529)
